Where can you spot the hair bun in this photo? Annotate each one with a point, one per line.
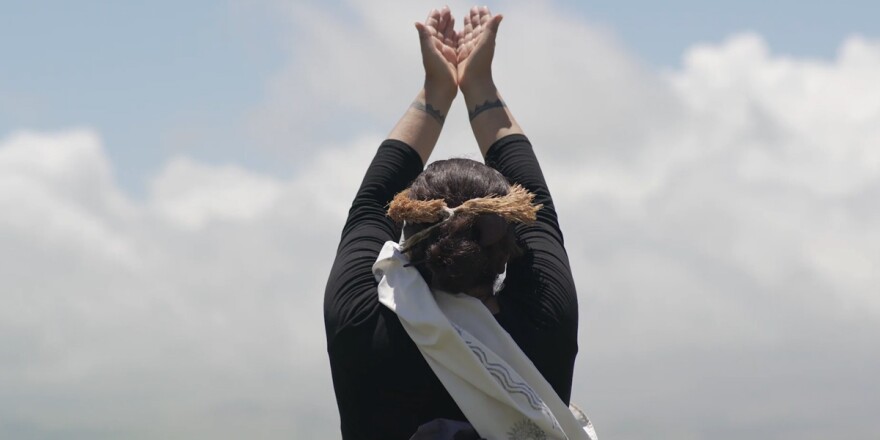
(456, 258)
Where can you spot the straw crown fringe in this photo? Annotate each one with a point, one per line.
(515, 207)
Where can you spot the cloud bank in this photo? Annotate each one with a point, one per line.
(721, 220)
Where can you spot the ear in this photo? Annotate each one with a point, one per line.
(491, 228)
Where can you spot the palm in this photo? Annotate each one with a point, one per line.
(439, 42)
(476, 45)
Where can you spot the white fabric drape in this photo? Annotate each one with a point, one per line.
(496, 386)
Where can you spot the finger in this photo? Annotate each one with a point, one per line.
(449, 29)
(442, 20)
(473, 24)
(468, 27)
(459, 44)
(484, 16)
(476, 22)
(446, 13)
(461, 36)
(449, 35)
(433, 21)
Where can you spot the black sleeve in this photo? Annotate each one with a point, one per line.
(351, 304)
(350, 296)
(542, 275)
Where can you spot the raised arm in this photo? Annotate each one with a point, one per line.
(420, 125)
(544, 267)
(490, 118)
(350, 294)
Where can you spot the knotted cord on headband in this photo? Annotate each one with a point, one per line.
(515, 207)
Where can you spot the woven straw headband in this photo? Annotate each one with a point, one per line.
(515, 207)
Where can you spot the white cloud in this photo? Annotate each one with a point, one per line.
(191, 194)
(721, 221)
(192, 313)
(59, 188)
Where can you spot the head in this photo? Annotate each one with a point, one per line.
(467, 252)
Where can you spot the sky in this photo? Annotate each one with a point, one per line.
(174, 177)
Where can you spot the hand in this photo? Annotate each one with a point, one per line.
(438, 42)
(476, 48)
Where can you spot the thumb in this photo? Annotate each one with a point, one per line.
(423, 33)
(494, 22)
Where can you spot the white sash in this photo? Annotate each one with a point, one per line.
(496, 386)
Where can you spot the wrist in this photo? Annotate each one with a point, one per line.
(479, 88)
(438, 93)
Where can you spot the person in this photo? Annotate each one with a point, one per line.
(400, 368)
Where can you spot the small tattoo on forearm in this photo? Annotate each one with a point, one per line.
(485, 106)
(429, 109)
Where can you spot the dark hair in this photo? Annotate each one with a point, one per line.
(466, 251)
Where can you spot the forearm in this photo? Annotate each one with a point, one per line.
(420, 125)
(490, 117)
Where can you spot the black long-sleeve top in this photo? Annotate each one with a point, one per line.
(384, 388)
